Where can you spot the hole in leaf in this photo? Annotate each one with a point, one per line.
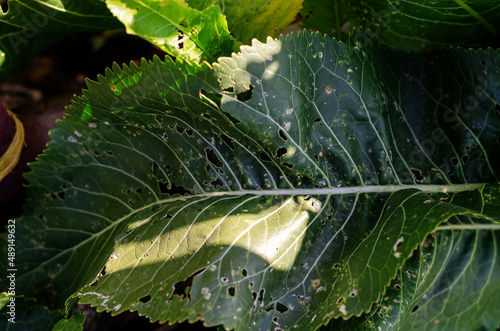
(282, 135)
(164, 188)
(261, 295)
(179, 129)
(145, 299)
(231, 291)
(317, 120)
(138, 190)
(228, 141)
(183, 288)
(264, 157)
(465, 159)
(275, 319)
(280, 152)
(288, 165)
(381, 314)
(62, 195)
(417, 174)
(245, 95)
(189, 132)
(159, 119)
(454, 161)
(483, 62)
(281, 307)
(397, 287)
(208, 167)
(414, 309)
(244, 272)
(217, 182)
(212, 158)
(340, 300)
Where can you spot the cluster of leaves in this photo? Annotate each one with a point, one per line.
(297, 183)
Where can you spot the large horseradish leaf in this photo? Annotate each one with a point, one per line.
(280, 188)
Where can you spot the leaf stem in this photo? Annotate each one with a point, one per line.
(476, 15)
(468, 227)
(450, 188)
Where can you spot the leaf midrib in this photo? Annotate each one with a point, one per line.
(451, 188)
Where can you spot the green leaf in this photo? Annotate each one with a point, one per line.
(283, 186)
(30, 26)
(75, 322)
(450, 284)
(176, 28)
(411, 25)
(335, 18)
(21, 313)
(254, 19)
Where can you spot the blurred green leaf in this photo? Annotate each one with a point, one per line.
(21, 313)
(410, 25)
(254, 19)
(30, 26)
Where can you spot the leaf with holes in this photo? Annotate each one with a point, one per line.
(281, 187)
(176, 28)
(457, 268)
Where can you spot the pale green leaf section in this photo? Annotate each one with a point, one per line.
(176, 28)
(74, 323)
(254, 19)
(281, 187)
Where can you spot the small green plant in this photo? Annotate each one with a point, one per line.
(292, 182)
